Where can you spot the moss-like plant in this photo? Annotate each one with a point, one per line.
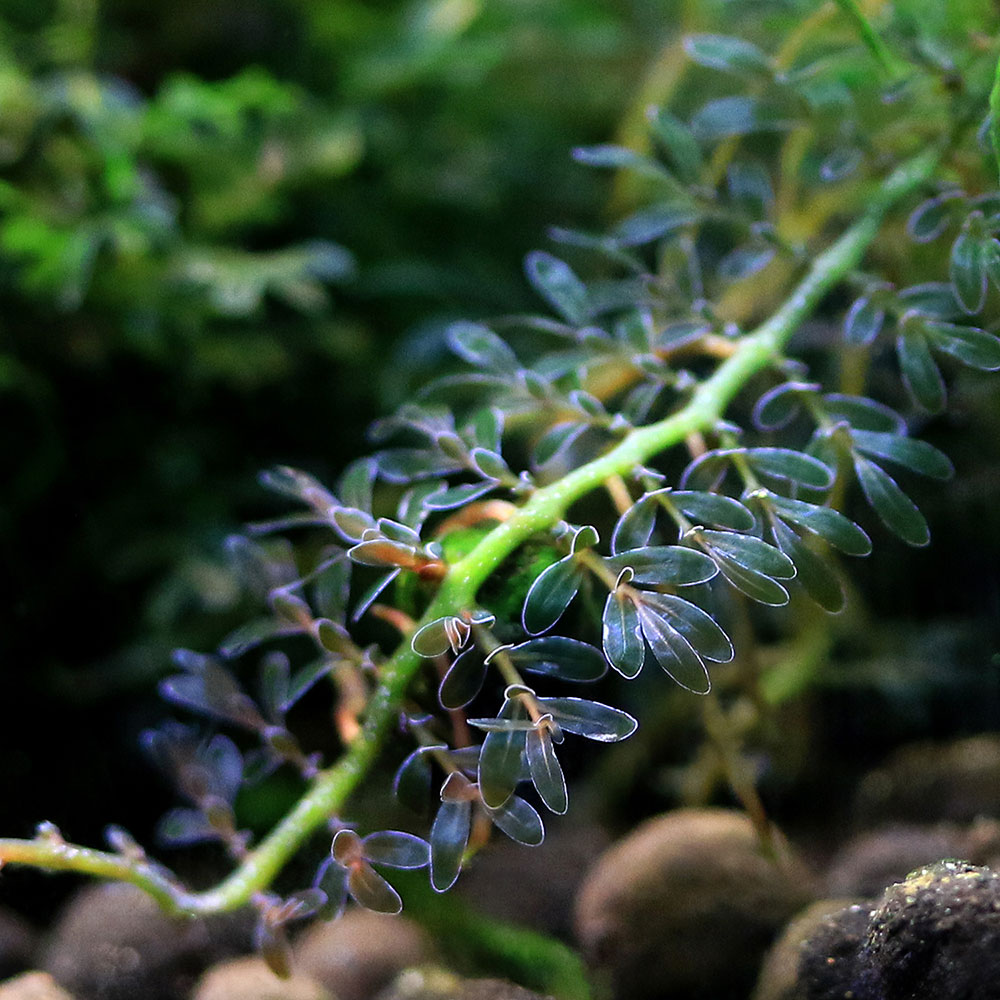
(802, 221)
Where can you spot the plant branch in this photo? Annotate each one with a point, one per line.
(331, 788)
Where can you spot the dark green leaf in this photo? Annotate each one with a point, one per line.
(449, 497)
(618, 158)
(400, 465)
(673, 564)
(863, 321)
(813, 573)
(554, 280)
(449, 837)
(930, 219)
(793, 466)
(973, 347)
(550, 594)
(933, 298)
(913, 454)
(967, 270)
(500, 757)
(731, 116)
(840, 164)
(780, 405)
(649, 224)
(635, 526)
(749, 551)
(396, 849)
(489, 463)
(895, 509)
(464, 680)
(755, 585)
(750, 188)
(412, 782)
(699, 628)
(826, 522)
(556, 440)
(678, 143)
(519, 821)
(590, 719)
(622, 635)
(712, 509)
(920, 372)
(671, 650)
(545, 770)
(734, 55)
(556, 656)
(742, 262)
(863, 413)
(481, 347)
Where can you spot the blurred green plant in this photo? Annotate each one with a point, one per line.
(709, 392)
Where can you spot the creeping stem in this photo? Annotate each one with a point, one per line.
(330, 789)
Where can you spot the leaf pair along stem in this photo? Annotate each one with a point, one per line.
(328, 792)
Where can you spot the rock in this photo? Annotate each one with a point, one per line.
(816, 958)
(931, 782)
(113, 942)
(436, 984)
(17, 944)
(868, 863)
(548, 876)
(686, 906)
(250, 979)
(33, 986)
(359, 953)
(936, 936)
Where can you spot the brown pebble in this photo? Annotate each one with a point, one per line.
(430, 983)
(17, 943)
(249, 978)
(33, 986)
(360, 952)
(686, 906)
(112, 942)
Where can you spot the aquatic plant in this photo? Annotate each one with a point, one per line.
(710, 387)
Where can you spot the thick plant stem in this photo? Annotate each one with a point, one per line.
(329, 791)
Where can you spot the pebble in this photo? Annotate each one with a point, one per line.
(33, 986)
(934, 782)
(112, 942)
(816, 957)
(360, 952)
(869, 862)
(936, 936)
(431, 983)
(251, 979)
(17, 943)
(686, 906)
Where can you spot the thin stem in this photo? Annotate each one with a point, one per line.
(331, 787)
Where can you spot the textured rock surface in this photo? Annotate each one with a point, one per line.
(816, 958)
(686, 906)
(936, 936)
(250, 979)
(114, 943)
(33, 986)
(361, 952)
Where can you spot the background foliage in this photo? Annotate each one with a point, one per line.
(218, 221)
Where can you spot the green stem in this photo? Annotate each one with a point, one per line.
(331, 788)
